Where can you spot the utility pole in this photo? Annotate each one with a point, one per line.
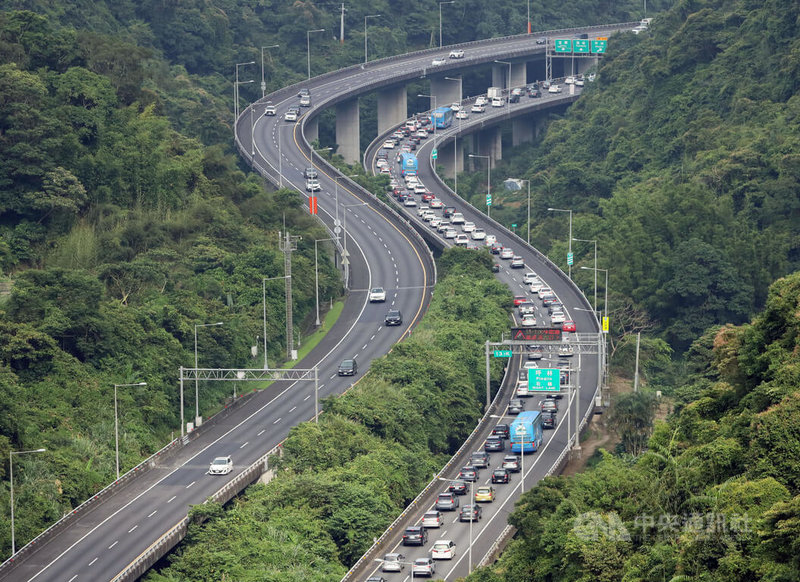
(341, 26)
(636, 373)
(288, 243)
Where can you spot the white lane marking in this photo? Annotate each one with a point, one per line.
(93, 561)
(171, 499)
(262, 432)
(190, 484)
(73, 578)
(292, 409)
(153, 513)
(309, 396)
(114, 544)
(244, 445)
(373, 337)
(364, 347)
(277, 421)
(133, 528)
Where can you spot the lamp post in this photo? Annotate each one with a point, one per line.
(116, 418)
(605, 299)
(11, 477)
(433, 121)
(455, 137)
(488, 182)
(508, 85)
(264, 309)
(236, 88)
(336, 187)
(263, 82)
(440, 19)
(529, 16)
(196, 390)
(595, 266)
(308, 47)
(365, 34)
(346, 256)
(316, 271)
(569, 267)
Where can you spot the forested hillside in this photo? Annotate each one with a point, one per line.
(717, 495)
(681, 161)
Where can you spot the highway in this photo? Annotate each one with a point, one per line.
(383, 250)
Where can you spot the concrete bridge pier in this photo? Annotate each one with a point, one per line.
(522, 129)
(451, 157)
(446, 91)
(519, 75)
(311, 129)
(392, 107)
(348, 129)
(487, 142)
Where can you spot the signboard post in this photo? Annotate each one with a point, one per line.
(544, 380)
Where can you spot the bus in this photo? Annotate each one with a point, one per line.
(408, 164)
(525, 432)
(442, 117)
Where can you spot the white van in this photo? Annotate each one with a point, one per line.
(498, 101)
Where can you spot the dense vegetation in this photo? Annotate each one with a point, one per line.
(716, 496)
(681, 161)
(342, 481)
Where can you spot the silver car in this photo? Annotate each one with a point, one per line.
(393, 562)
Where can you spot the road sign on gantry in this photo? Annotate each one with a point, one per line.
(599, 46)
(544, 379)
(580, 46)
(563, 45)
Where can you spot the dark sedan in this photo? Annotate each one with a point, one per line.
(494, 444)
(459, 487)
(470, 513)
(500, 476)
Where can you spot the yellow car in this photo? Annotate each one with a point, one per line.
(485, 494)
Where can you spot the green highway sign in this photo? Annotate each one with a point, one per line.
(435, 154)
(563, 45)
(570, 258)
(580, 46)
(544, 379)
(488, 200)
(599, 46)
(513, 226)
(502, 353)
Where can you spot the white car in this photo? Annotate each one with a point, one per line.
(221, 466)
(579, 82)
(535, 286)
(455, 106)
(450, 233)
(437, 62)
(269, 110)
(377, 295)
(388, 145)
(422, 133)
(506, 254)
(435, 222)
(468, 226)
(544, 291)
(422, 209)
(569, 81)
(290, 115)
(312, 185)
(432, 518)
(498, 101)
(436, 203)
(462, 240)
(420, 189)
(530, 277)
(428, 216)
(409, 202)
(522, 388)
(490, 240)
(462, 114)
(457, 218)
(478, 234)
(517, 262)
(443, 550)
(444, 226)
(456, 54)
(481, 100)
(529, 320)
(477, 108)
(554, 89)
(558, 317)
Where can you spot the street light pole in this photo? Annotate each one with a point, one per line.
(263, 82)
(488, 182)
(365, 33)
(264, 308)
(595, 266)
(336, 187)
(316, 271)
(196, 390)
(11, 476)
(440, 19)
(433, 121)
(346, 256)
(236, 89)
(569, 267)
(116, 418)
(529, 16)
(308, 47)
